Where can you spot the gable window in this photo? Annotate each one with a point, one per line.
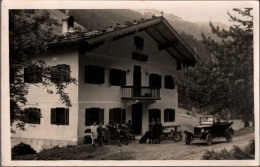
(94, 74)
(169, 82)
(154, 114)
(169, 115)
(117, 115)
(60, 73)
(94, 115)
(33, 74)
(117, 77)
(139, 42)
(60, 116)
(155, 80)
(32, 115)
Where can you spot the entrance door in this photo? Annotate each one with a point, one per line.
(137, 118)
(137, 81)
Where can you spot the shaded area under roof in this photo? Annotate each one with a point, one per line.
(158, 28)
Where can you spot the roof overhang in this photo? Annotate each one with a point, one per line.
(158, 28)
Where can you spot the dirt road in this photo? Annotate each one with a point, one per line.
(169, 150)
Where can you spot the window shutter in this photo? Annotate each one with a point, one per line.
(165, 115)
(123, 115)
(53, 116)
(67, 116)
(111, 115)
(101, 116)
(123, 78)
(39, 118)
(173, 115)
(87, 117)
(155, 80)
(173, 83)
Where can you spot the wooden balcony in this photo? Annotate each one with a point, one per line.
(140, 93)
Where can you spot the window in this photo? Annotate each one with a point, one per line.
(155, 80)
(178, 65)
(154, 114)
(117, 115)
(94, 115)
(32, 115)
(117, 77)
(60, 73)
(60, 116)
(139, 42)
(94, 74)
(169, 82)
(169, 115)
(32, 74)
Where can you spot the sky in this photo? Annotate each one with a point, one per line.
(198, 11)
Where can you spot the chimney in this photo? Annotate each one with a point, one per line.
(67, 24)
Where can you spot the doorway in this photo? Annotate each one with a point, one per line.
(137, 80)
(137, 110)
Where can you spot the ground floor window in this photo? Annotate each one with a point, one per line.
(169, 115)
(60, 116)
(117, 115)
(94, 115)
(33, 115)
(154, 114)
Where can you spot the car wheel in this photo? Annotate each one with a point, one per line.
(177, 137)
(229, 136)
(209, 139)
(187, 138)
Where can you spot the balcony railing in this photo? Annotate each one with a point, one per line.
(140, 93)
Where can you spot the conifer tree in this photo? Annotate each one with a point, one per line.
(225, 85)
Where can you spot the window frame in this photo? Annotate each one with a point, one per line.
(122, 115)
(152, 81)
(100, 116)
(54, 117)
(169, 84)
(60, 73)
(171, 116)
(29, 115)
(117, 77)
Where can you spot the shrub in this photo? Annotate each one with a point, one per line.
(235, 153)
(22, 149)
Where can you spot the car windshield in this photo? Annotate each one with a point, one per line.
(206, 120)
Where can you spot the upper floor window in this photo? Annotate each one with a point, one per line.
(117, 77)
(169, 82)
(155, 80)
(33, 115)
(94, 115)
(60, 116)
(117, 115)
(169, 115)
(60, 73)
(139, 42)
(33, 74)
(94, 74)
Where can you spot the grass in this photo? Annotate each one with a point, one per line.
(235, 154)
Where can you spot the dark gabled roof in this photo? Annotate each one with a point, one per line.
(157, 27)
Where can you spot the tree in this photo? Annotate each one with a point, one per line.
(30, 32)
(225, 84)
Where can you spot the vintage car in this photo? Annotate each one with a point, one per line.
(209, 128)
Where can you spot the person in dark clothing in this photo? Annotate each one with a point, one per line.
(117, 134)
(151, 131)
(157, 130)
(100, 134)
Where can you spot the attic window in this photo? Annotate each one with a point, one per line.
(139, 42)
(71, 22)
(178, 65)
